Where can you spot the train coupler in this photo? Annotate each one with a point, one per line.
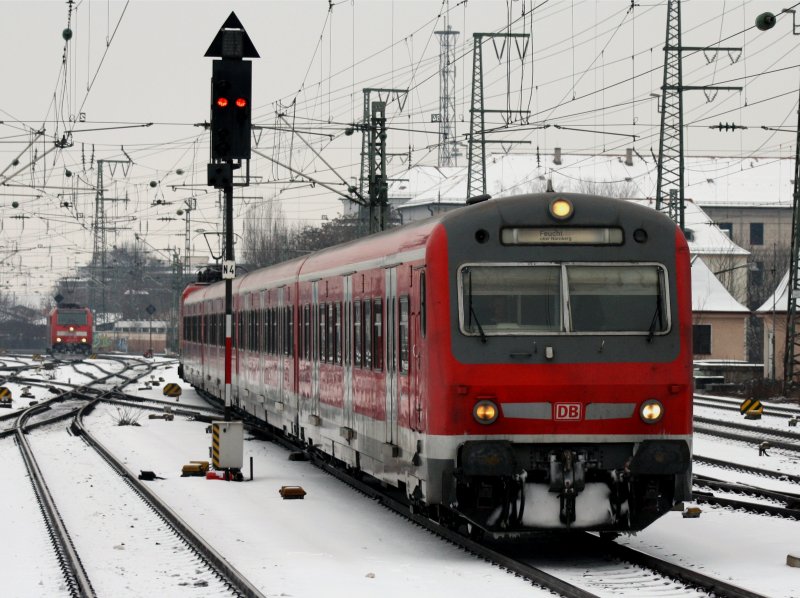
(566, 512)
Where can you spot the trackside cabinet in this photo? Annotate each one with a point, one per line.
(227, 444)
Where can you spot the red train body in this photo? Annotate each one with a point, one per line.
(519, 364)
(70, 329)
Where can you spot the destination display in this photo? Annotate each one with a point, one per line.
(561, 236)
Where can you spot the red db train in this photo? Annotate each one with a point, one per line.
(515, 365)
(69, 329)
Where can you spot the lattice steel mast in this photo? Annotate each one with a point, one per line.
(448, 148)
(669, 185)
(791, 366)
(476, 170)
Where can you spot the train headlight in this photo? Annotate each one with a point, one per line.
(561, 209)
(651, 411)
(83, 340)
(58, 339)
(485, 412)
(72, 328)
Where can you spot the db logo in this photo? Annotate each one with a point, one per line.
(568, 411)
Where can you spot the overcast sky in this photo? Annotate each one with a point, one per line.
(591, 65)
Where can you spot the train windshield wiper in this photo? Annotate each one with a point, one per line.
(478, 324)
(472, 314)
(658, 315)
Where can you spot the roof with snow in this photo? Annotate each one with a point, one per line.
(779, 300)
(708, 294)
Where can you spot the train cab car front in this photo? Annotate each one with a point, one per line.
(570, 379)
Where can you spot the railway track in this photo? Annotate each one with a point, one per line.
(759, 471)
(781, 439)
(627, 572)
(606, 569)
(770, 410)
(183, 563)
(756, 500)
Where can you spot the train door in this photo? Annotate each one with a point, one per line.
(315, 349)
(416, 334)
(347, 361)
(390, 334)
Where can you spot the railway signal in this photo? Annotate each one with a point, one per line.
(231, 86)
(231, 91)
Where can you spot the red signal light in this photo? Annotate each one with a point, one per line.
(222, 102)
(241, 102)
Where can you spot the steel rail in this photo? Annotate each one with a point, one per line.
(216, 562)
(530, 572)
(744, 438)
(778, 475)
(69, 560)
(750, 428)
(669, 569)
(534, 574)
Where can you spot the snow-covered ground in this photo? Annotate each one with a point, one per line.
(336, 542)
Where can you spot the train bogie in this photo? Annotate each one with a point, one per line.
(520, 364)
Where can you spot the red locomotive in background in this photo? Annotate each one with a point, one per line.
(518, 364)
(69, 329)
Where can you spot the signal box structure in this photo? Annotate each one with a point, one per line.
(227, 444)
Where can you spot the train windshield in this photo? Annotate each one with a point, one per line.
(71, 318)
(499, 300)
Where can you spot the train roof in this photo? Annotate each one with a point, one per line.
(384, 245)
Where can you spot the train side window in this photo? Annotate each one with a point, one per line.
(280, 338)
(253, 329)
(337, 332)
(289, 330)
(305, 334)
(423, 305)
(357, 340)
(402, 364)
(315, 341)
(247, 332)
(367, 327)
(244, 330)
(377, 334)
(323, 333)
(331, 333)
(274, 332)
(263, 331)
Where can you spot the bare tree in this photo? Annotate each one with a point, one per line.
(266, 235)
